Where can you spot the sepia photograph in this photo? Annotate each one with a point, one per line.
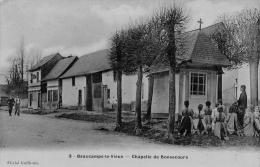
(130, 83)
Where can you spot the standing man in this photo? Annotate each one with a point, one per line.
(242, 105)
(10, 105)
(17, 106)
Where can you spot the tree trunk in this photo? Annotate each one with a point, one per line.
(119, 101)
(172, 104)
(219, 86)
(138, 121)
(171, 55)
(150, 97)
(254, 81)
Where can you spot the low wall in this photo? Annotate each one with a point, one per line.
(24, 103)
(131, 106)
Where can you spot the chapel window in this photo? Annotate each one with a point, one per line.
(198, 84)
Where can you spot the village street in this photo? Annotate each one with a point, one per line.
(38, 131)
(43, 134)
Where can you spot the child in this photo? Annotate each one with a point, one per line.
(220, 127)
(232, 124)
(17, 105)
(257, 121)
(208, 112)
(213, 115)
(198, 121)
(249, 121)
(186, 120)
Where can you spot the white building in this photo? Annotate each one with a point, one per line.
(233, 79)
(90, 84)
(196, 80)
(36, 89)
(54, 93)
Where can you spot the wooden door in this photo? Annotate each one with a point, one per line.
(39, 100)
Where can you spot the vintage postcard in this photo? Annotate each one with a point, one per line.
(129, 83)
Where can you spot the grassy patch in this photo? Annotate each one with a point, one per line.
(156, 131)
(39, 112)
(88, 117)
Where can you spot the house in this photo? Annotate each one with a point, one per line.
(54, 84)
(233, 79)
(3, 95)
(37, 90)
(90, 84)
(197, 80)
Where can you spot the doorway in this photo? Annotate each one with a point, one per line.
(80, 98)
(39, 100)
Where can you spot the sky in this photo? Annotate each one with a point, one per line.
(78, 27)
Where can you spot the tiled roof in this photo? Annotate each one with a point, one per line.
(90, 63)
(206, 52)
(60, 68)
(43, 61)
(199, 48)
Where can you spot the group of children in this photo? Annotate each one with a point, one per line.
(218, 121)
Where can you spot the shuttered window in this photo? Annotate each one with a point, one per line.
(49, 95)
(55, 95)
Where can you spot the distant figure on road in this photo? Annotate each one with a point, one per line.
(10, 105)
(17, 105)
(242, 105)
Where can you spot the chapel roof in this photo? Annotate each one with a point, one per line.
(199, 48)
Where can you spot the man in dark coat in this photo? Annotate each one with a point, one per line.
(242, 105)
(10, 105)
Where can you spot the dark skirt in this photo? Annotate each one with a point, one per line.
(185, 125)
(200, 126)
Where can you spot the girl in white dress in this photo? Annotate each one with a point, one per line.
(199, 121)
(220, 125)
(249, 122)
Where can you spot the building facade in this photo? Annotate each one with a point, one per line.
(232, 81)
(89, 84)
(54, 83)
(37, 90)
(196, 79)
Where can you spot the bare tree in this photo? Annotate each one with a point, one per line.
(172, 19)
(117, 61)
(243, 28)
(15, 79)
(136, 59)
(21, 57)
(33, 56)
(156, 48)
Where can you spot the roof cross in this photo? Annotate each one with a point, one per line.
(200, 22)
